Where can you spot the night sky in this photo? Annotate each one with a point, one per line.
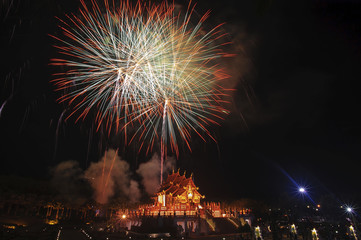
(295, 110)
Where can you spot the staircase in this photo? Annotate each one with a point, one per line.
(225, 225)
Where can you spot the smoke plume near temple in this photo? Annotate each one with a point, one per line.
(150, 172)
(111, 174)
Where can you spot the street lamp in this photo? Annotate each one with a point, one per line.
(353, 228)
(301, 190)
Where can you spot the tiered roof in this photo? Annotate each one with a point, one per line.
(176, 184)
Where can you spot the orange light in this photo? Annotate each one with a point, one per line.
(9, 226)
(52, 222)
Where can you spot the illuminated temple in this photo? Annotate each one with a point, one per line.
(177, 196)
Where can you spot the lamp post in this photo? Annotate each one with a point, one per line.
(353, 228)
(257, 233)
(314, 234)
(293, 232)
(302, 191)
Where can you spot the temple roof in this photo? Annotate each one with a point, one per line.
(176, 184)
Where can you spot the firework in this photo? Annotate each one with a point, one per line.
(144, 67)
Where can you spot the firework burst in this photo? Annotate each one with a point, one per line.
(144, 67)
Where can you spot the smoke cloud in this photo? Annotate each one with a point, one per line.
(134, 192)
(150, 172)
(68, 181)
(109, 175)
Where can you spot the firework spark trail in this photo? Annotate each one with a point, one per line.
(163, 141)
(144, 67)
(103, 169)
(109, 172)
(2, 107)
(57, 133)
(89, 144)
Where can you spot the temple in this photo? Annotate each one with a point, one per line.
(178, 195)
(178, 200)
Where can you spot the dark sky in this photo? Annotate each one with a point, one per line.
(295, 109)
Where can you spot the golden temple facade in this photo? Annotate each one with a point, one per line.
(178, 195)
